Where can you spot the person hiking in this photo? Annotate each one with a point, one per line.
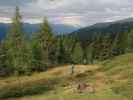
(72, 67)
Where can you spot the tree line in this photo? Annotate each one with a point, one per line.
(20, 55)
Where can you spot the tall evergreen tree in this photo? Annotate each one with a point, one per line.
(105, 51)
(16, 46)
(44, 47)
(130, 42)
(77, 54)
(97, 46)
(120, 44)
(100, 48)
(5, 68)
(61, 54)
(89, 53)
(66, 45)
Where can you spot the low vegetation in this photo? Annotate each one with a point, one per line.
(38, 83)
(60, 84)
(120, 72)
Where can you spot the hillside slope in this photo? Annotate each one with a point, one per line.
(67, 90)
(121, 66)
(112, 28)
(111, 79)
(120, 74)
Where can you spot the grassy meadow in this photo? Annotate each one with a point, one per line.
(112, 79)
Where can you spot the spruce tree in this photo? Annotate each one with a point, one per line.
(16, 46)
(105, 50)
(77, 54)
(97, 40)
(66, 45)
(61, 54)
(44, 47)
(5, 67)
(120, 44)
(130, 42)
(69, 44)
(89, 53)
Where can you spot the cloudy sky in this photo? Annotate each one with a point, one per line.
(71, 12)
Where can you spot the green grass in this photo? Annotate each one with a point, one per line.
(112, 79)
(39, 82)
(120, 72)
(64, 94)
(122, 65)
(22, 86)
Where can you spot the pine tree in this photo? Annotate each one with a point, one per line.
(61, 54)
(65, 47)
(44, 47)
(5, 68)
(77, 54)
(16, 46)
(97, 46)
(89, 52)
(120, 44)
(130, 42)
(69, 45)
(105, 50)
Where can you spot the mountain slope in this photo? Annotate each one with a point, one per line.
(31, 28)
(111, 79)
(113, 28)
(119, 71)
(59, 84)
(119, 66)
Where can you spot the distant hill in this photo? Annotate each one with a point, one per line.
(31, 28)
(113, 28)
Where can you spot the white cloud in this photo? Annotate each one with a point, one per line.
(71, 20)
(26, 20)
(5, 20)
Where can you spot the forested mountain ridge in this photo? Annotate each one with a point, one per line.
(33, 28)
(113, 28)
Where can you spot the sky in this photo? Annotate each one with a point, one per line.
(69, 12)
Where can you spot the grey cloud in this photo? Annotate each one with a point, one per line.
(90, 11)
(14, 2)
